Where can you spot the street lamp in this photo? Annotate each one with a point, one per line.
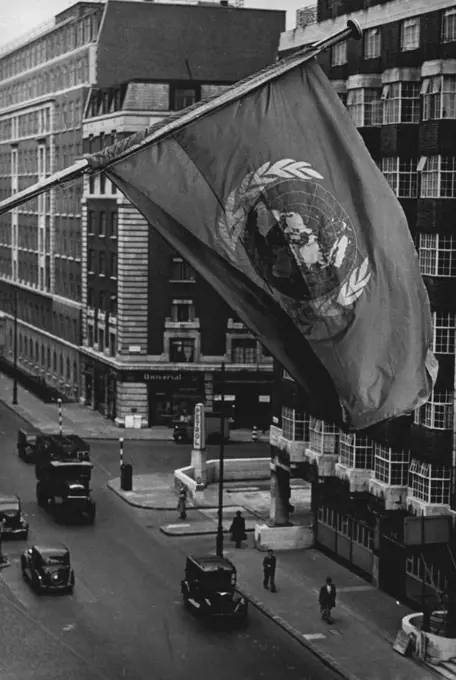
(219, 540)
(15, 350)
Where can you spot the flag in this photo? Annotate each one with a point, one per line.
(274, 199)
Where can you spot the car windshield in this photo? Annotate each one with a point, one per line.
(9, 509)
(50, 560)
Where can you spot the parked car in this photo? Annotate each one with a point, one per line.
(26, 445)
(209, 588)
(47, 567)
(15, 525)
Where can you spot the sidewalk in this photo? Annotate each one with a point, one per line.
(84, 422)
(359, 646)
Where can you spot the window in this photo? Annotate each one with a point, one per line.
(295, 424)
(444, 327)
(180, 270)
(449, 25)
(182, 350)
(90, 338)
(363, 535)
(48, 362)
(437, 254)
(402, 176)
(101, 339)
(430, 483)
(54, 361)
(438, 176)
(102, 183)
(426, 572)
(113, 225)
(182, 311)
(112, 344)
(401, 103)
(437, 413)
(365, 106)
(390, 467)
(102, 263)
(339, 54)
(184, 97)
(91, 222)
(244, 351)
(355, 451)
(410, 34)
(102, 224)
(114, 265)
(61, 365)
(91, 184)
(372, 43)
(439, 97)
(90, 260)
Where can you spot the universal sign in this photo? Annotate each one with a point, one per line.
(199, 428)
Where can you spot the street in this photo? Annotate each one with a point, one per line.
(125, 619)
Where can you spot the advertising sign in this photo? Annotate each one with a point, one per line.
(199, 428)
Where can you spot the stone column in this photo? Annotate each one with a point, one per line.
(280, 494)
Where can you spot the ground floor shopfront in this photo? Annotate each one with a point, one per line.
(160, 396)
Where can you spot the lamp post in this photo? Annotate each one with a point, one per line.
(14, 401)
(219, 540)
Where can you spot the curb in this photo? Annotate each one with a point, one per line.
(327, 659)
(198, 533)
(162, 507)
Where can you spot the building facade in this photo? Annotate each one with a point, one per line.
(399, 86)
(76, 268)
(154, 333)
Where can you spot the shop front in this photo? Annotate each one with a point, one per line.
(99, 386)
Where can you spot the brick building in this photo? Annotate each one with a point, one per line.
(154, 333)
(399, 86)
(45, 80)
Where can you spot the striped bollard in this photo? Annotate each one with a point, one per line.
(59, 401)
(121, 443)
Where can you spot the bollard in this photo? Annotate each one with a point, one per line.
(254, 434)
(59, 401)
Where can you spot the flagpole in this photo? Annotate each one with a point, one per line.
(91, 164)
(73, 172)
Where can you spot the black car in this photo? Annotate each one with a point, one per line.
(14, 525)
(209, 588)
(47, 567)
(26, 445)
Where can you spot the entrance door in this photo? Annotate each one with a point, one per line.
(392, 567)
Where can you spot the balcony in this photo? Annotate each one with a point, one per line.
(394, 497)
(171, 325)
(357, 478)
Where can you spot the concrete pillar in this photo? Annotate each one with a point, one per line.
(199, 453)
(280, 496)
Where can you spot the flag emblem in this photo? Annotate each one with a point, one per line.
(298, 239)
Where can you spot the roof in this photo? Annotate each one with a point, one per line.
(212, 562)
(154, 41)
(51, 548)
(8, 498)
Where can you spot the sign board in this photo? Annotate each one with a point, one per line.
(199, 428)
(402, 643)
(426, 530)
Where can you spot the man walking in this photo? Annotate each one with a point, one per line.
(269, 569)
(237, 529)
(327, 599)
(182, 502)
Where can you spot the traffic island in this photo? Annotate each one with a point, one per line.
(204, 522)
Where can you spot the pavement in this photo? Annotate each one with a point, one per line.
(358, 646)
(85, 422)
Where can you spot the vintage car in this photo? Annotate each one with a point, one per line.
(26, 445)
(209, 588)
(14, 525)
(47, 567)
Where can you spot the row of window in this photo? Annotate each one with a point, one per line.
(437, 412)
(100, 263)
(429, 483)
(40, 355)
(359, 533)
(50, 80)
(409, 38)
(103, 339)
(59, 42)
(98, 224)
(402, 102)
(428, 177)
(100, 184)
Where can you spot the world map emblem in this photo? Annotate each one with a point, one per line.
(297, 237)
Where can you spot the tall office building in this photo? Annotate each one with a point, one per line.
(399, 86)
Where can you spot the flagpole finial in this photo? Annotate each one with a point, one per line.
(356, 30)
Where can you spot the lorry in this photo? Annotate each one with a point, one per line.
(63, 472)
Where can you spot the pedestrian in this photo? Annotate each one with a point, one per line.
(237, 529)
(327, 599)
(269, 569)
(182, 503)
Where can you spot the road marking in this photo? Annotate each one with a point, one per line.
(70, 626)
(314, 636)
